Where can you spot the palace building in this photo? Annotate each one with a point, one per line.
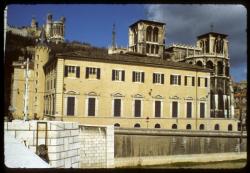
(138, 88)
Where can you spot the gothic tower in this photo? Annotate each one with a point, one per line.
(147, 37)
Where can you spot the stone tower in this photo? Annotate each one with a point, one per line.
(48, 25)
(147, 37)
(214, 55)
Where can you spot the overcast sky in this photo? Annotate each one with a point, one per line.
(93, 24)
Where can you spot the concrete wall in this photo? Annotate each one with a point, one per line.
(97, 146)
(137, 143)
(69, 144)
(62, 140)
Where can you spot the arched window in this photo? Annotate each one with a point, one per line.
(199, 63)
(210, 65)
(152, 49)
(202, 127)
(149, 33)
(147, 48)
(157, 126)
(156, 49)
(216, 127)
(174, 126)
(190, 62)
(117, 125)
(137, 125)
(221, 100)
(155, 34)
(188, 126)
(230, 127)
(220, 68)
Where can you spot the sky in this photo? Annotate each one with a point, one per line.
(93, 24)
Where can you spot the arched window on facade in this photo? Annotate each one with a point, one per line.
(157, 126)
(147, 48)
(149, 33)
(221, 100)
(220, 68)
(117, 125)
(137, 125)
(202, 127)
(135, 36)
(156, 49)
(217, 127)
(188, 127)
(152, 49)
(190, 62)
(155, 34)
(174, 126)
(199, 63)
(230, 127)
(210, 65)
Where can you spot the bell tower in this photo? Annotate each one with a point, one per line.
(147, 37)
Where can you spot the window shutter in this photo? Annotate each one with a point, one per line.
(113, 74)
(142, 77)
(174, 109)
(137, 108)
(123, 75)
(153, 77)
(202, 110)
(91, 107)
(171, 79)
(65, 71)
(179, 80)
(185, 80)
(189, 109)
(117, 107)
(133, 77)
(87, 72)
(71, 106)
(77, 72)
(199, 81)
(157, 108)
(98, 73)
(193, 81)
(162, 78)
(205, 82)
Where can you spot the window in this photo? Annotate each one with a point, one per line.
(174, 109)
(157, 108)
(175, 79)
(137, 125)
(117, 107)
(118, 75)
(189, 109)
(54, 83)
(189, 81)
(71, 71)
(117, 125)
(202, 110)
(70, 106)
(174, 126)
(230, 127)
(138, 77)
(188, 127)
(202, 127)
(157, 126)
(216, 127)
(202, 82)
(92, 73)
(137, 109)
(91, 106)
(158, 78)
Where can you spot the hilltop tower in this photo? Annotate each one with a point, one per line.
(147, 37)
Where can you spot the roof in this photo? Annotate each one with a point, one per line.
(132, 59)
(213, 33)
(147, 21)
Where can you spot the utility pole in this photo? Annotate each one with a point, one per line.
(26, 94)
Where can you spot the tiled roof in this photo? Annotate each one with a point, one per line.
(134, 59)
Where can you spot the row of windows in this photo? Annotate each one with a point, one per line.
(137, 76)
(50, 84)
(137, 108)
(188, 126)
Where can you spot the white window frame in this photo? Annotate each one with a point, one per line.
(138, 76)
(186, 109)
(205, 111)
(87, 103)
(176, 75)
(113, 103)
(158, 76)
(178, 105)
(66, 103)
(133, 107)
(119, 71)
